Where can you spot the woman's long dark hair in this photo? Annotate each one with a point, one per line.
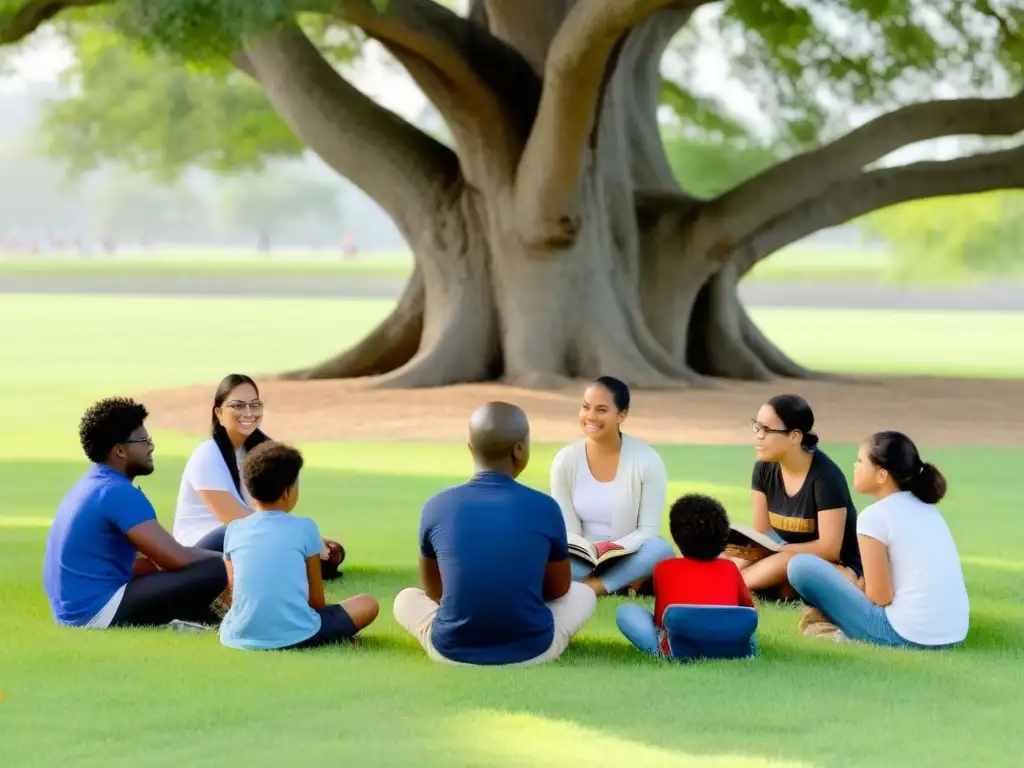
(220, 435)
(896, 454)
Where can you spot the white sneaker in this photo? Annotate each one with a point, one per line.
(187, 626)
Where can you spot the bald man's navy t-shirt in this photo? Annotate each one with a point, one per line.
(492, 538)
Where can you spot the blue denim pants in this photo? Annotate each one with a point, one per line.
(719, 638)
(623, 571)
(825, 588)
(637, 624)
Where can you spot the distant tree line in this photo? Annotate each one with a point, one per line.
(42, 208)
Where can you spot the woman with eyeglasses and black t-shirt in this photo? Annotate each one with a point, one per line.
(800, 497)
(211, 493)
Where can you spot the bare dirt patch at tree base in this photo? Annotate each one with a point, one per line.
(934, 411)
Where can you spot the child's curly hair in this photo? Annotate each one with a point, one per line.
(699, 525)
(270, 469)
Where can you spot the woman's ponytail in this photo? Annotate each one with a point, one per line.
(928, 485)
(896, 454)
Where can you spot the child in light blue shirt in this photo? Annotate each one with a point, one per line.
(273, 564)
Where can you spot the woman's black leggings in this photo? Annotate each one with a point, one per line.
(213, 541)
(160, 598)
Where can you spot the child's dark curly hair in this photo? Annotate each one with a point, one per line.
(270, 469)
(699, 525)
(107, 423)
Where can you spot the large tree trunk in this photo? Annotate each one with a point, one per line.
(501, 289)
(553, 242)
(482, 306)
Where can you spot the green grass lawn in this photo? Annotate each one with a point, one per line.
(797, 263)
(157, 698)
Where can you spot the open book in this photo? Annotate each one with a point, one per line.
(596, 554)
(746, 543)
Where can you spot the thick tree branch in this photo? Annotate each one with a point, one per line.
(27, 19)
(626, 144)
(870, 191)
(802, 178)
(676, 210)
(396, 164)
(478, 13)
(575, 71)
(529, 26)
(651, 169)
(485, 90)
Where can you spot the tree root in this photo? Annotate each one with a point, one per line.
(778, 362)
(388, 347)
(678, 372)
(716, 345)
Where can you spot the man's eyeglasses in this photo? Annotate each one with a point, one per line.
(148, 440)
(760, 429)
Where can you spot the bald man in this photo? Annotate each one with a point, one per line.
(494, 560)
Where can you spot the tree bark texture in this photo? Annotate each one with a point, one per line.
(552, 241)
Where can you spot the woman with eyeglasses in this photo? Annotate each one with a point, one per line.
(211, 493)
(800, 497)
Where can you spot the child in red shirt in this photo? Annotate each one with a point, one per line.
(700, 528)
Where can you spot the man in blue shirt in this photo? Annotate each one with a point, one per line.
(494, 560)
(93, 575)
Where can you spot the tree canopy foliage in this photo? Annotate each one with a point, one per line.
(956, 237)
(154, 85)
(150, 111)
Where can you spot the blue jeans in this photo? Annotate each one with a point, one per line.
(825, 588)
(639, 628)
(708, 632)
(623, 571)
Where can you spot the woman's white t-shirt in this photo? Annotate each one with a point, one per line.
(204, 471)
(929, 604)
(594, 504)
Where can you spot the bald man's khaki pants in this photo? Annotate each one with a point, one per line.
(415, 611)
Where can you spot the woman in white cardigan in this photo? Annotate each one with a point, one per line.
(611, 488)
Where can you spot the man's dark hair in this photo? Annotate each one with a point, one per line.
(699, 526)
(270, 469)
(107, 423)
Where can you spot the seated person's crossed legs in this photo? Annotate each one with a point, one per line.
(496, 583)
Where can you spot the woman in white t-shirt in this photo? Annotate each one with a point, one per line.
(211, 493)
(913, 586)
(611, 489)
